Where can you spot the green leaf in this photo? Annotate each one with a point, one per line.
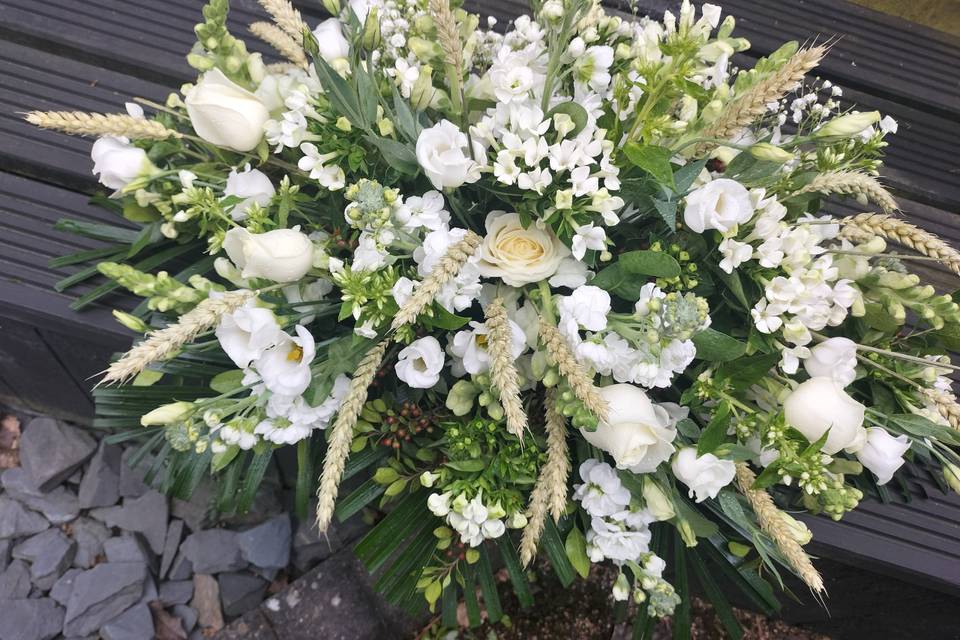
(338, 91)
(576, 112)
(687, 174)
(668, 211)
(470, 594)
(743, 373)
(380, 544)
(517, 576)
(405, 121)
(752, 585)
(553, 546)
(649, 263)
(681, 615)
(877, 318)
(397, 154)
(443, 319)
(222, 459)
(715, 594)
(468, 466)
(768, 477)
(368, 96)
(358, 499)
(253, 478)
(714, 346)
(652, 159)
(488, 586)
(227, 381)
(716, 431)
(921, 427)
(304, 488)
(448, 606)
(576, 548)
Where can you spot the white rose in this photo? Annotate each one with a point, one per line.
(420, 363)
(720, 204)
(637, 433)
(281, 255)
(285, 368)
(443, 154)
(118, 163)
(333, 46)
(820, 404)
(224, 113)
(247, 332)
(516, 255)
(704, 475)
(833, 358)
(882, 453)
(252, 186)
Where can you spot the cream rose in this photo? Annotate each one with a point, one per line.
(224, 113)
(516, 255)
(281, 255)
(820, 404)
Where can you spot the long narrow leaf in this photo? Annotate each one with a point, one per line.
(488, 586)
(517, 576)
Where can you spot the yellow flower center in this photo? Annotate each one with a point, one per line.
(295, 354)
(521, 247)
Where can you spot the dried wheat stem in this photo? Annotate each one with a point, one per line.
(503, 373)
(341, 434)
(746, 108)
(286, 17)
(904, 233)
(580, 382)
(81, 123)
(447, 33)
(774, 524)
(852, 183)
(281, 41)
(162, 344)
(946, 405)
(549, 495)
(445, 271)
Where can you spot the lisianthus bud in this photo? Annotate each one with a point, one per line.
(848, 125)
(167, 414)
(371, 30)
(131, 322)
(621, 588)
(517, 521)
(951, 473)
(332, 6)
(769, 152)
(658, 504)
(552, 10)
(423, 91)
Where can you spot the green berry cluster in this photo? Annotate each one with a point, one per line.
(688, 278)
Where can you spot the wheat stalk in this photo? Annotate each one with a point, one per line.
(447, 33)
(580, 382)
(851, 183)
(503, 373)
(549, 494)
(745, 109)
(773, 523)
(341, 435)
(162, 344)
(286, 17)
(904, 233)
(281, 41)
(447, 269)
(81, 123)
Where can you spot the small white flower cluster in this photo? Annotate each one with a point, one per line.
(293, 95)
(473, 520)
(457, 294)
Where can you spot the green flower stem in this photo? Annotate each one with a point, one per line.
(547, 298)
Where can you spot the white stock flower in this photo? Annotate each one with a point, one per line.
(820, 404)
(117, 163)
(247, 332)
(602, 493)
(516, 255)
(252, 186)
(333, 46)
(833, 358)
(285, 368)
(882, 453)
(704, 475)
(369, 255)
(734, 254)
(614, 540)
(720, 204)
(423, 211)
(224, 113)
(444, 155)
(588, 305)
(419, 364)
(471, 346)
(637, 433)
(281, 255)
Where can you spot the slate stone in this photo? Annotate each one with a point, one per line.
(5, 547)
(100, 486)
(240, 592)
(101, 594)
(136, 623)
(59, 506)
(213, 551)
(50, 554)
(90, 535)
(146, 514)
(38, 619)
(15, 581)
(16, 521)
(206, 600)
(50, 451)
(127, 548)
(187, 615)
(267, 545)
(195, 512)
(177, 592)
(170, 546)
(63, 587)
(131, 478)
(181, 569)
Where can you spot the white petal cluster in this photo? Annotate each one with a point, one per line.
(473, 520)
(616, 532)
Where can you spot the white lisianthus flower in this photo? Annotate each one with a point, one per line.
(281, 255)
(471, 346)
(516, 255)
(820, 404)
(704, 475)
(333, 46)
(285, 368)
(588, 305)
(637, 433)
(247, 332)
(720, 204)
(253, 186)
(833, 358)
(117, 163)
(419, 364)
(882, 453)
(444, 155)
(224, 113)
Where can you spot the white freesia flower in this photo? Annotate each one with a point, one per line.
(247, 332)
(285, 368)
(516, 255)
(833, 358)
(882, 453)
(471, 346)
(252, 186)
(602, 493)
(734, 254)
(444, 155)
(586, 237)
(117, 163)
(281, 255)
(333, 46)
(637, 433)
(704, 475)
(820, 404)
(224, 113)
(419, 364)
(318, 166)
(720, 204)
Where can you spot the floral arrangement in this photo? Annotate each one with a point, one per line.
(570, 287)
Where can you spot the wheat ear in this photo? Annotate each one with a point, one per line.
(549, 495)
(853, 183)
(341, 435)
(286, 17)
(903, 233)
(445, 271)
(580, 382)
(447, 33)
(81, 123)
(503, 373)
(281, 41)
(946, 406)
(160, 345)
(773, 523)
(746, 108)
